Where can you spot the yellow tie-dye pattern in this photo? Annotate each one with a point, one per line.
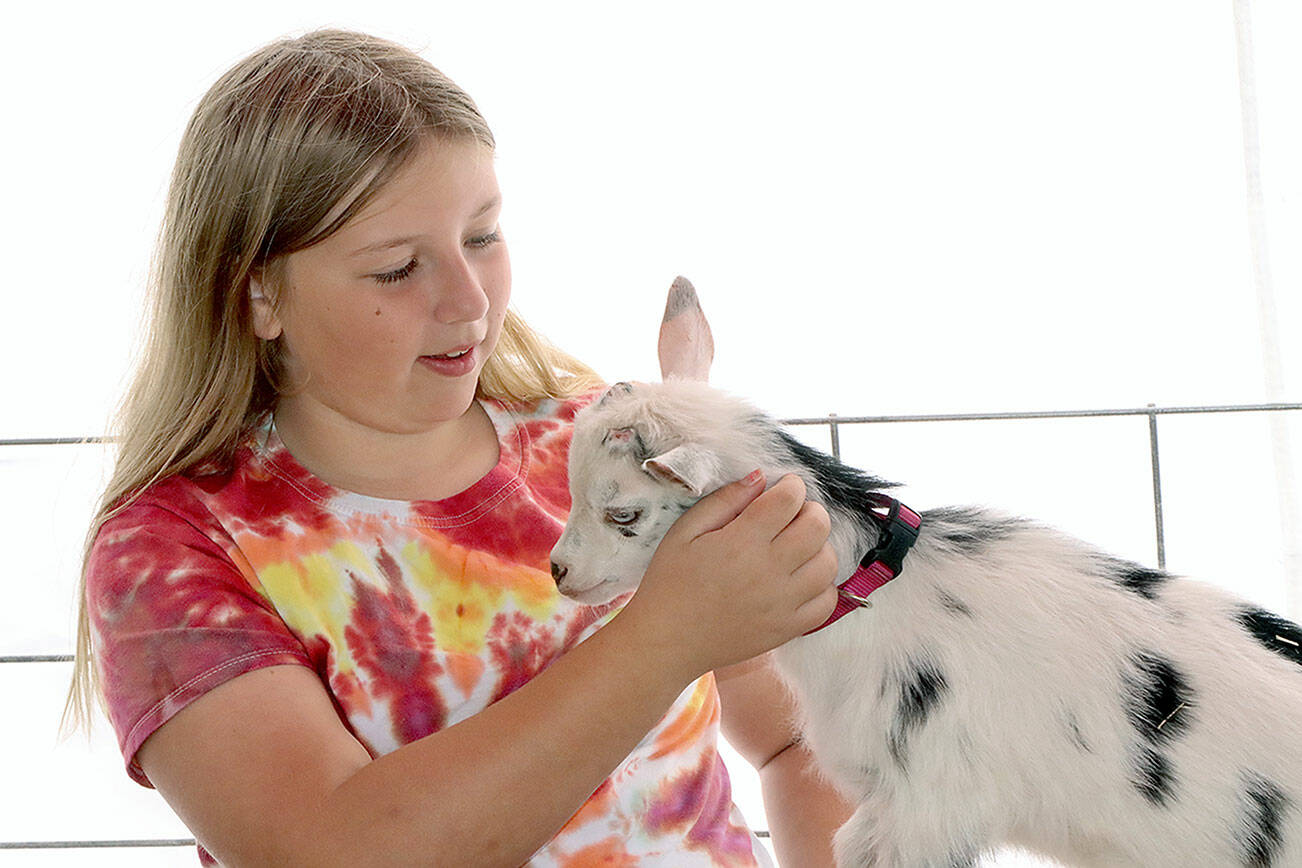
(533, 590)
(460, 608)
(351, 554)
(309, 597)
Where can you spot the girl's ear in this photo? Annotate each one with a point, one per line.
(266, 324)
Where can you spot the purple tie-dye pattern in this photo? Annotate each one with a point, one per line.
(700, 801)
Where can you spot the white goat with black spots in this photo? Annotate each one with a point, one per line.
(1014, 686)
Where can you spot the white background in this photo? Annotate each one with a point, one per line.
(887, 208)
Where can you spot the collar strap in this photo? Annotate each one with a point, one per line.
(897, 528)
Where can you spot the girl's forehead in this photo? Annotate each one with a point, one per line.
(441, 174)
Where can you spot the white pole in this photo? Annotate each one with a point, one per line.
(1267, 316)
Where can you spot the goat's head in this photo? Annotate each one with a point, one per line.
(639, 458)
(642, 455)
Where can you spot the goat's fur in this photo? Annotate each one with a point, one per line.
(1012, 686)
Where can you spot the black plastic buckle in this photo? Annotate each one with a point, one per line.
(895, 539)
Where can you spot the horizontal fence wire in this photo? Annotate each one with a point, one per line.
(832, 420)
(96, 845)
(36, 658)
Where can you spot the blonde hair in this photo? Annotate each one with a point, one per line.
(281, 152)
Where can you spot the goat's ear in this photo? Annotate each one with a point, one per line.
(621, 388)
(624, 440)
(686, 345)
(689, 466)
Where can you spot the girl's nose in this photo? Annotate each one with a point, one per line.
(461, 297)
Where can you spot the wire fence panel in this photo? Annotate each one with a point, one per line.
(844, 434)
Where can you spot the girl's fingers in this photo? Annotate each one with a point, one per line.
(774, 509)
(817, 609)
(802, 538)
(815, 575)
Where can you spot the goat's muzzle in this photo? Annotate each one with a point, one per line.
(558, 572)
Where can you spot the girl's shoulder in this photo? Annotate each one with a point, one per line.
(561, 409)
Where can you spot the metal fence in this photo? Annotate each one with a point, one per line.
(834, 424)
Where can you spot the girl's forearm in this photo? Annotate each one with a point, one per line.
(494, 788)
(804, 811)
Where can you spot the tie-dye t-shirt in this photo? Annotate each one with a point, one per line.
(415, 615)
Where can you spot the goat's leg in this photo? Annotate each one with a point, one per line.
(869, 839)
(856, 844)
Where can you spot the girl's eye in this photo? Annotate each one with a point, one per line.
(623, 517)
(485, 240)
(397, 274)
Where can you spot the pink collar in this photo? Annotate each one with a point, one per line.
(897, 532)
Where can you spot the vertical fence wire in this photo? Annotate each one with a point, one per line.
(1157, 489)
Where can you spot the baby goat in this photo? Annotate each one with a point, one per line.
(1013, 686)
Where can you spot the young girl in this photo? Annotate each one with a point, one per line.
(317, 591)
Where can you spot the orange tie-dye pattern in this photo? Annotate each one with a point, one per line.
(608, 853)
(699, 713)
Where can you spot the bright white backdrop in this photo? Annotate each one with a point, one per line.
(887, 208)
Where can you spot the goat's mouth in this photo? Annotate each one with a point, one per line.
(594, 595)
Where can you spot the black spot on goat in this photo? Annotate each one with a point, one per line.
(1277, 634)
(1259, 834)
(1144, 581)
(1151, 775)
(1158, 699)
(921, 690)
(1158, 703)
(950, 603)
(1077, 737)
(843, 485)
(965, 530)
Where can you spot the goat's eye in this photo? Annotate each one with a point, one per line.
(623, 517)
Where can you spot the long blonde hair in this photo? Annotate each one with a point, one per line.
(281, 152)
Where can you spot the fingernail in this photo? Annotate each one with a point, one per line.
(753, 477)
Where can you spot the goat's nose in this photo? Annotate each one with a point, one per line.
(558, 572)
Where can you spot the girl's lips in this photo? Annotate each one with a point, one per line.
(458, 367)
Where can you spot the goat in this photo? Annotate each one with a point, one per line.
(1014, 686)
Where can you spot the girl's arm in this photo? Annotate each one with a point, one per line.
(263, 772)
(757, 716)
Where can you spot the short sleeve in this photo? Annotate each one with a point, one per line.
(171, 618)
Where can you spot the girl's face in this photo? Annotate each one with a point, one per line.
(421, 272)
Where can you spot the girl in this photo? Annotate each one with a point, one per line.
(317, 589)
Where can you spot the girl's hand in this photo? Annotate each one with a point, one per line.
(743, 571)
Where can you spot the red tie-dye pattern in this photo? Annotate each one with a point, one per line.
(413, 614)
(520, 650)
(524, 535)
(550, 481)
(393, 643)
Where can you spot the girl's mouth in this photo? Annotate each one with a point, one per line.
(457, 363)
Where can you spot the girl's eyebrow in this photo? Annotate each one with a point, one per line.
(384, 245)
(407, 239)
(486, 207)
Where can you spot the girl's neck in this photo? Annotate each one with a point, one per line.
(428, 465)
